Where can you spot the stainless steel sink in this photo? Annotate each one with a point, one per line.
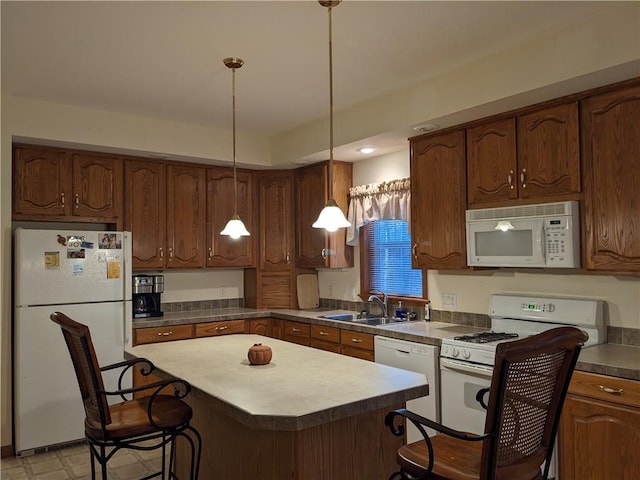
(362, 319)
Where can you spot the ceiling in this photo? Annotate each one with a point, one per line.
(164, 59)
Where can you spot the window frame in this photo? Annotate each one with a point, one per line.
(365, 275)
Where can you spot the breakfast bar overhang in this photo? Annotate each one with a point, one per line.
(308, 414)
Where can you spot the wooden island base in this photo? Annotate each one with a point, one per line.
(357, 447)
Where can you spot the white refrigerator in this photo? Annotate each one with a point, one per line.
(87, 276)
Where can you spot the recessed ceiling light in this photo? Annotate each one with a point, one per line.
(366, 150)
(427, 127)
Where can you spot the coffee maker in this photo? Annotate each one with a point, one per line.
(146, 295)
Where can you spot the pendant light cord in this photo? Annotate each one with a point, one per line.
(233, 103)
(330, 173)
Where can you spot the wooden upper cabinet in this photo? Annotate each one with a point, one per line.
(611, 174)
(533, 156)
(97, 186)
(316, 248)
(549, 152)
(491, 162)
(275, 192)
(438, 201)
(144, 212)
(53, 183)
(224, 251)
(186, 205)
(42, 181)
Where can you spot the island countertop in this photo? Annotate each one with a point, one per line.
(301, 387)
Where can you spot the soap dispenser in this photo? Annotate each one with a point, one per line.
(401, 312)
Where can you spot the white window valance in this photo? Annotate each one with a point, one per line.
(377, 201)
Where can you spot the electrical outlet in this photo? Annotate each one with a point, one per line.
(449, 300)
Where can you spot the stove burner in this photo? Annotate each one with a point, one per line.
(485, 337)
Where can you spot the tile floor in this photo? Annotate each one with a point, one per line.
(73, 463)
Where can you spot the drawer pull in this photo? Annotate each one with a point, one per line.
(165, 334)
(62, 199)
(295, 330)
(224, 327)
(356, 340)
(612, 391)
(324, 334)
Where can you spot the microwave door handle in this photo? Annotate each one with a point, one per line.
(543, 242)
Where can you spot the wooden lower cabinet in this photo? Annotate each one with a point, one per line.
(297, 332)
(357, 344)
(325, 338)
(162, 334)
(599, 431)
(157, 335)
(267, 327)
(213, 329)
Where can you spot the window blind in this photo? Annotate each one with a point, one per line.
(390, 259)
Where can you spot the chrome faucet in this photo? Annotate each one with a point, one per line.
(382, 303)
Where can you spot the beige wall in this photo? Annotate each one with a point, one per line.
(597, 51)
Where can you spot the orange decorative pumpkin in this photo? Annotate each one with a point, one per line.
(259, 354)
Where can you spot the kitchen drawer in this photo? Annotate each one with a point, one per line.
(609, 389)
(162, 334)
(296, 331)
(325, 334)
(212, 329)
(328, 346)
(357, 353)
(356, 340)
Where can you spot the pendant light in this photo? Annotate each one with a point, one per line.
(234, 228)
(331, 217)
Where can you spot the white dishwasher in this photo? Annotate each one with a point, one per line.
(415, 357)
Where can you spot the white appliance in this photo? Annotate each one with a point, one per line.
(466, 361)
(87, 276)
(415, 357)
(543, 235)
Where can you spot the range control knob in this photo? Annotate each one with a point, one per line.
(454, 352)
(466, 354)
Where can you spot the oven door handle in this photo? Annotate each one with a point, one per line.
(466, 367)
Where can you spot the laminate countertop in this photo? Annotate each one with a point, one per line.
(300, 388)
(607, 359)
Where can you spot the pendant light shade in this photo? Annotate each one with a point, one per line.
(234, 228)
(331, 217)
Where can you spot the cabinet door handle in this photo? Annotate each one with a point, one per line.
(356, 340)
(77, 201)
(170, 253)
(510, 179)
(161, 253)
(165, 334)
(523, 176)
(210, 252)
(323, 250)
(414, 250)
(287, 257)
(224, 327)
(62, 199)
(611, 390)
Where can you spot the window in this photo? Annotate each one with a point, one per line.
(386, 260)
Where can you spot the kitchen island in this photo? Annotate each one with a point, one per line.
(309, 414)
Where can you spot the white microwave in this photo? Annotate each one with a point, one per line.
(542, 236)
